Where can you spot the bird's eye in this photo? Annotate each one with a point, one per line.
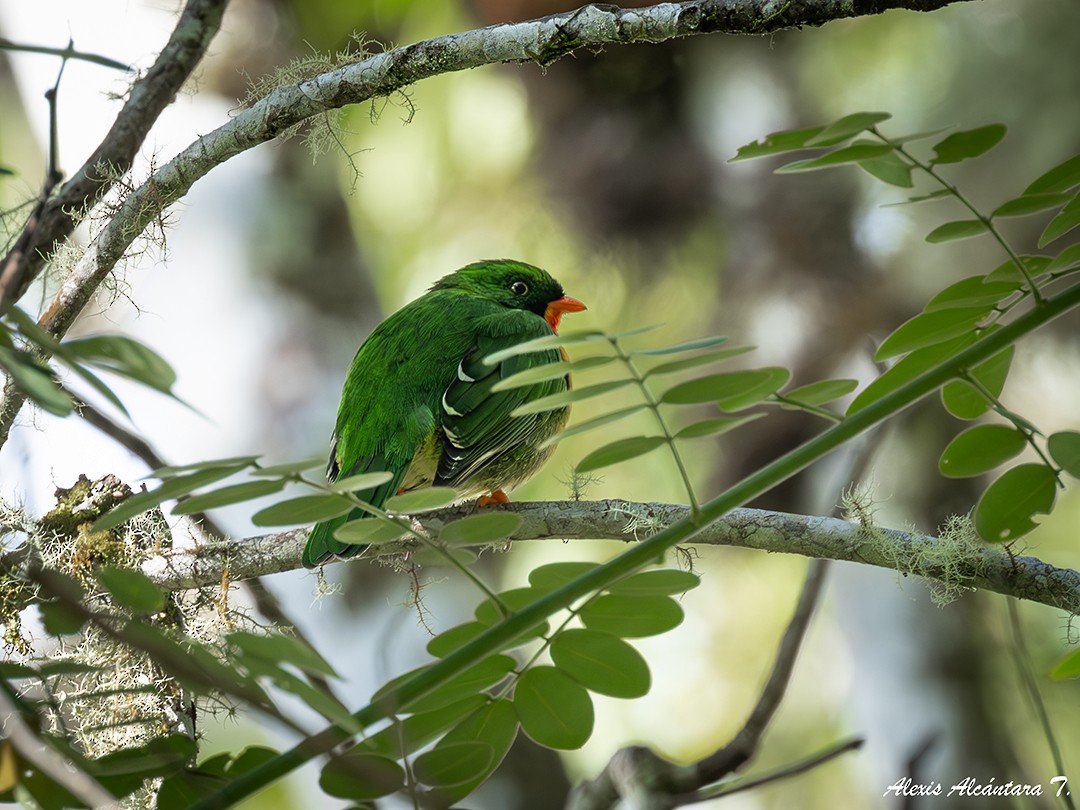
(519, 288)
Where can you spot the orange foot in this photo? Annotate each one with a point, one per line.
(498, 496)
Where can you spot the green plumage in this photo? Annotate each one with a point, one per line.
(418, 403)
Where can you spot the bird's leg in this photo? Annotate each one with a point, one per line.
(497, 496)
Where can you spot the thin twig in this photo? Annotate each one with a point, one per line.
(65, 53)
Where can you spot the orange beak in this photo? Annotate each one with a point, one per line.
(556, 308)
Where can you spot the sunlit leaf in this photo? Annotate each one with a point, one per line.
(697, 360)
(453, 763)
(132, 589)
(1064, 448)
(1030, 204)
(554, 710)
(237, 493)
(980, 449)
(631, 616)
(968, 144)
(929, 329)
(855, 153)
(1006, 509)
(1066, 219)
(1062, 177)
(360, 776)
(564, 398)
(421, 500)
(715, 426)
(974, 291)
(1068, 667)
(601, 663)
(661, 582)
(485, 527)
(358, 483)
(964, 401)
(551, 371)
(731, 390)
(304, 509)
(618, 451)
(777, 143)
(958, 229)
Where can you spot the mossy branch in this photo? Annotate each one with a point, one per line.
(952, 561)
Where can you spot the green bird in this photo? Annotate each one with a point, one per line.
(418, 400)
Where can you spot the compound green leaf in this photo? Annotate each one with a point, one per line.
(455, 637)
(732, 391)
(495, 725)
(964, 401)
(361, 776)
(554, 710)
(486, 527)
(980, 449)
(1008, 271)
(453, 764)
(968, 143)
(592, 424)
(929, 329)
(1068, 259)
(958, 229)
(1066, 219)
(371, 531)
(697, 360)
(171, 488)
(1006, 509)
(358, 483)
(551, 371)
(631, 616)
(1030, 204)
(660, 582)
(777, 143)
(974, 291)
(126, 357)
(1062, 177)
(513, 599)
(237, 493)
(421, 500)
(132, 589)
(403, 737)
(618, 451)
(857, 152)
(278, 648)
(601, 663)
(715, 426)
(305, 509)
(891, 169)
(563, 398)
(685, 346)
(548, 577)
(1064, 448)
(36, 380)
(821, 392)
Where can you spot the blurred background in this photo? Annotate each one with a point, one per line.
(610, 170)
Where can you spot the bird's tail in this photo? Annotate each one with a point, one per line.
(321, 545)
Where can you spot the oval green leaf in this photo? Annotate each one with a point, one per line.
(592, 424)
(777, 143)
(980, 449)
(126, 357)
(1068, 259)
(371, 531)
(421, 500)
(685, 346)
(617, 451)
(403, 737)
(444, 557)
(1030, 204)
(1062, 177)
(1067, 219)
(549, 577)
(1006, 509)
(964, 401)
(305, 509)
(453, 763)
(631, 616)
(279, 648)
(968, 144)
(551, 371)
(237, 493)
(929, 329)
(856, 153)
(289, 467)
(715, 426)
(496, 725)
(132, 589)
(958, 229)
(486, 527)
(732, 391)
(554, 710)
(563, 398)
(891, 169)
(847, 127)
(513, 600)
(601, 663)
(1064, 447)
(974, 291)
(472, 681)
(661, 582)
(449, 640)
(358, 483)
(1068, 667)
(360, 776)
(821, 392)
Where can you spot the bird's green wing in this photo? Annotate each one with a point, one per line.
(476, 420)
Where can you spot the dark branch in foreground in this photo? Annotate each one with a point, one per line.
(953, 562)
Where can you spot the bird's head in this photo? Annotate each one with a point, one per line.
(515, 285)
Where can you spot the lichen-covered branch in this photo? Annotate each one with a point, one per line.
(952, 563)
(541, 41)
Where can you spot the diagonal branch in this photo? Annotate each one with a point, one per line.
(954, 562)
(541, 41)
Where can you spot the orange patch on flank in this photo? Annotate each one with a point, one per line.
(498, 496)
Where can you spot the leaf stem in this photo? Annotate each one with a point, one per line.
(669, 438)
